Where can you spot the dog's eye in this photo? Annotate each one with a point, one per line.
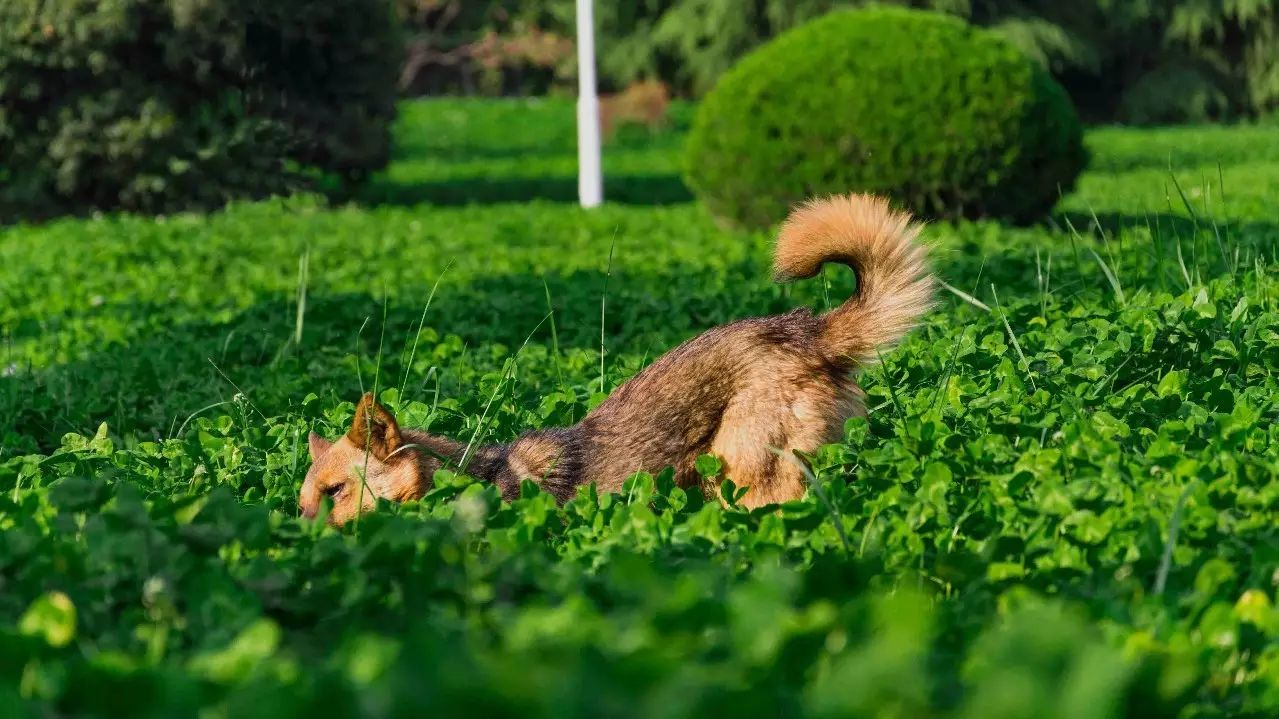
(334, 491)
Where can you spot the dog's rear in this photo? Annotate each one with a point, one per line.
(894, 287)
(753, 388)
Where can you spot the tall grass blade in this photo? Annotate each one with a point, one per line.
(1012, 336)
(954, 355)
(603, 303)
(1194, 218)
(368, 429)
(1174, 524)
(555, 337)
(508, 372)
(836, 519)
(965, 296)
(421, 322)
(1110, 277)
(304, 263)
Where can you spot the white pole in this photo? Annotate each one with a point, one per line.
(590, 184)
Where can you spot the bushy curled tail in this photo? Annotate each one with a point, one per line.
(894, 286)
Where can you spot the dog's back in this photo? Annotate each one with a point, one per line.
(750, 389)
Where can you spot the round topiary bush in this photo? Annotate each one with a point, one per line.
(156, 106)
(947, 119)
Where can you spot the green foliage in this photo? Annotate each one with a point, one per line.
(704, 38)
(159, 105)
(948, 120)
(493, 47)
(1144, 62)
(686, 43)
(1063, 507)
(1150, 62)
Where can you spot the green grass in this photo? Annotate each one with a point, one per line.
(1087, 531)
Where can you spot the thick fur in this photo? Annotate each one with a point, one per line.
(743, 391)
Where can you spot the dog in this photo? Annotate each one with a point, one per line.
(745, 392)
(642, 103)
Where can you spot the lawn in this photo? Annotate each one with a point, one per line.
(1063, 504)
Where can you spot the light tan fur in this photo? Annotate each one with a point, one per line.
(894, 286)
(743, 391)
(641, 103)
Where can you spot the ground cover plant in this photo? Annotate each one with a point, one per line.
(1062, 504)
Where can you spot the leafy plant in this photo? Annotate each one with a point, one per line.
(159, 106)
(1142, 62)
(1061, 504)
(947, 120)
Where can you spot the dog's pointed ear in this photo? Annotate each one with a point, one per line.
(318, 445)
(375, 428)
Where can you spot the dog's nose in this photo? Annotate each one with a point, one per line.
(308, 512)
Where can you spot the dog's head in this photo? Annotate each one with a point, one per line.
(371, 460)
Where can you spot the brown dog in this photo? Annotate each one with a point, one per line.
(641, 103)
(742, 392)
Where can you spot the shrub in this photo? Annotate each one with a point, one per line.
(155, 105)
(945, 118)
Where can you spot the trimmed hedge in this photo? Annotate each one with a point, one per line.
(947, 119)
(159, 105)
